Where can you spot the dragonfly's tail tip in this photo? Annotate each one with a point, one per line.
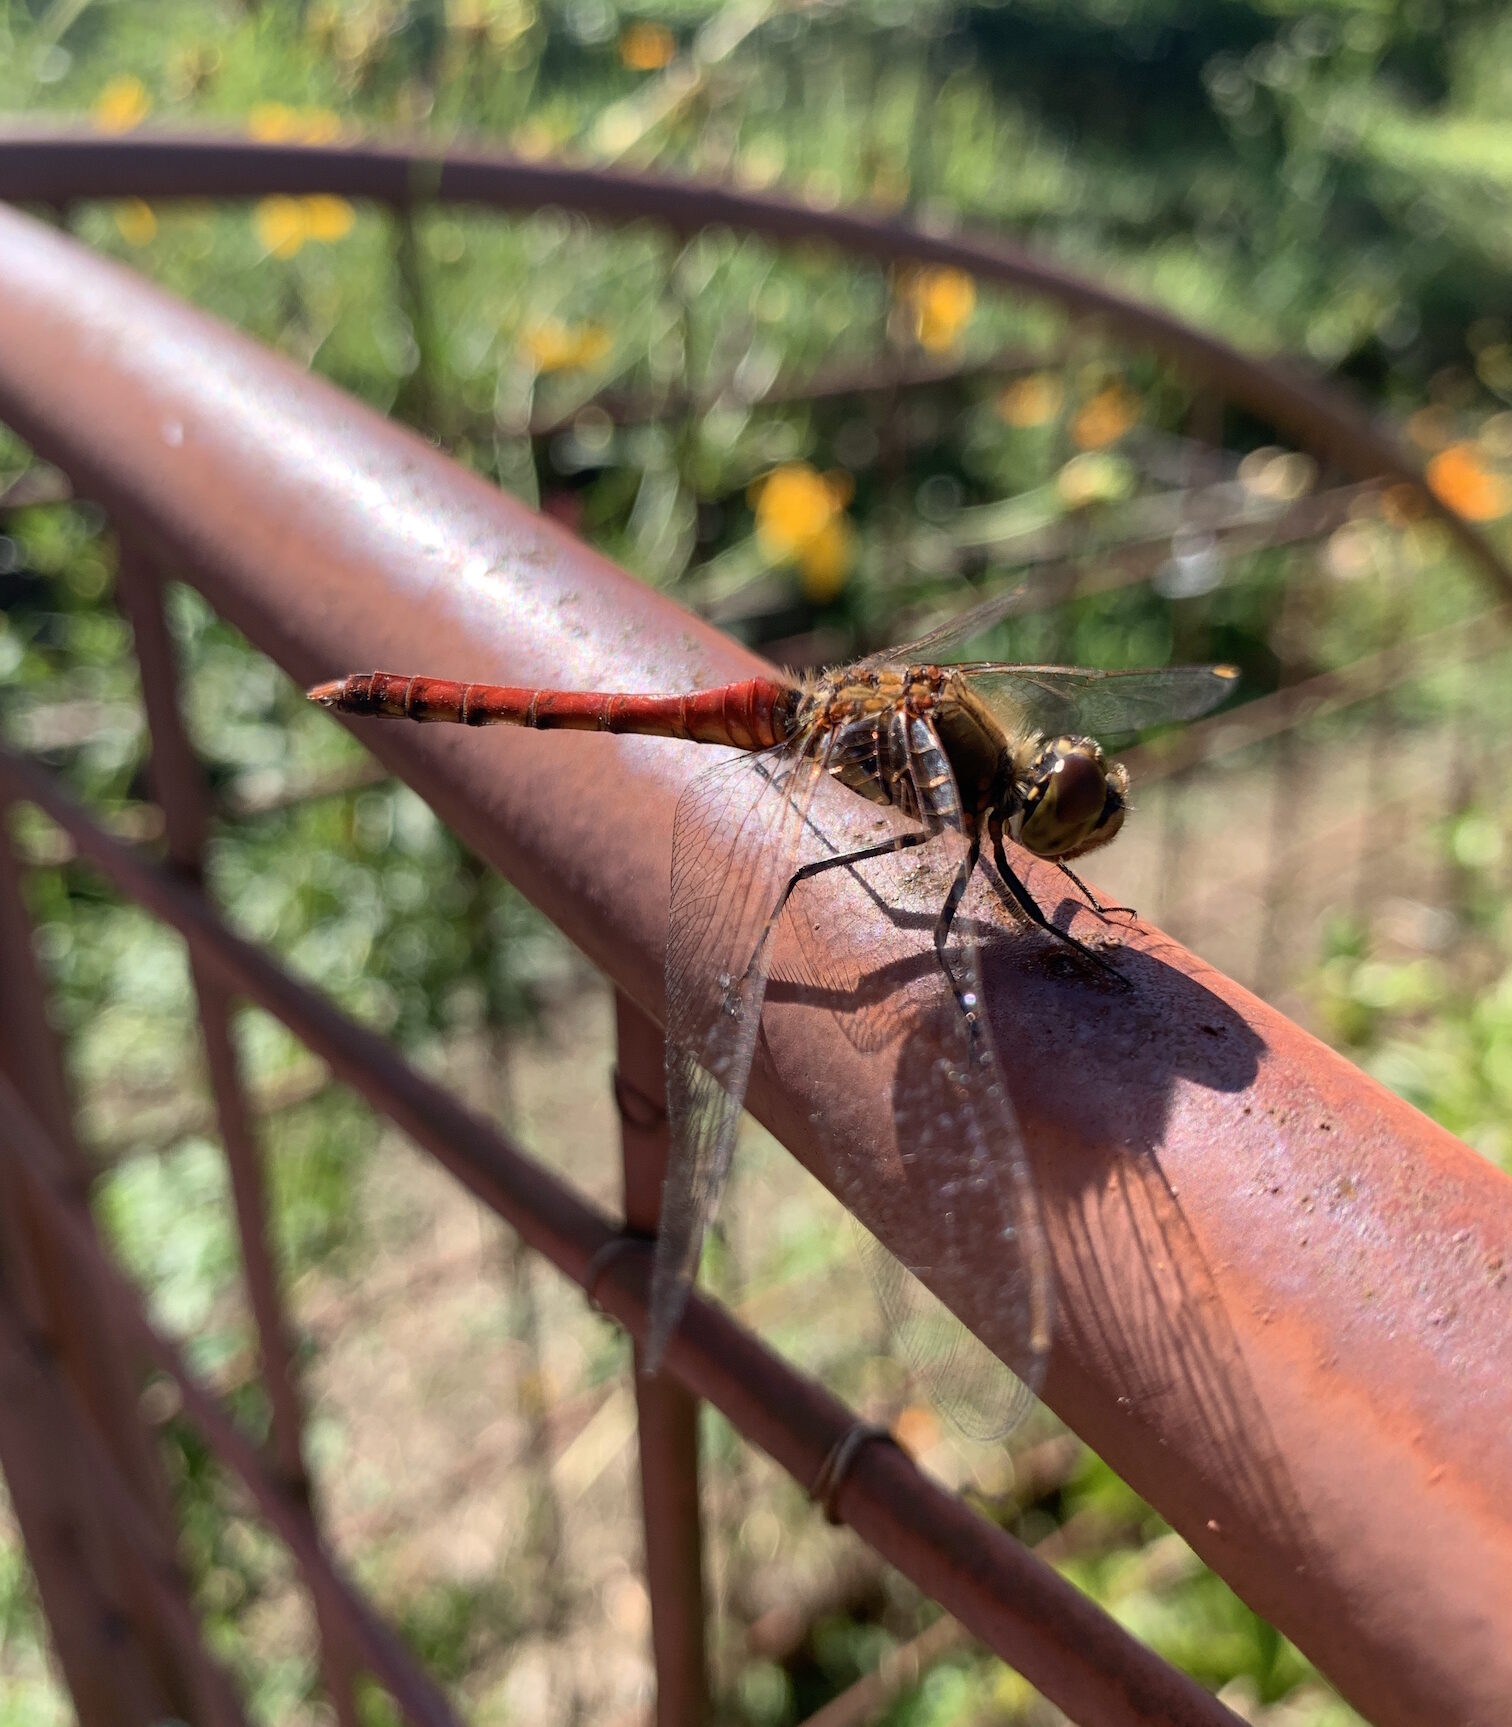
(327, 695)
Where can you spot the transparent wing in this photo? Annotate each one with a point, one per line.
(935, 645)
(963, 1162)
(959, 1374)
(1056, 700)
(735, 841)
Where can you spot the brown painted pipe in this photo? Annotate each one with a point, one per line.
(1284, 1302)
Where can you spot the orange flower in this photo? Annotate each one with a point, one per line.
(1105, 419)
(558, 347)
(918, 1430)
(800, 519)
(1031, 401)
(942, 301)
(647, 47)
(122, 104)
(1458, 478)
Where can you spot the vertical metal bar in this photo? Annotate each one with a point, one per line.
(109, 1646)
(667, 1413)
(102, 1663)
(180, 790)
(45, 1419)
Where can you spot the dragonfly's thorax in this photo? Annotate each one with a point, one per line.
(1062, 797)
(899, 734)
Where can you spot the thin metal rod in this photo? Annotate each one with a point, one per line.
(417, 1697)
(40, 1398)
(39, 162)
(666, 1410)
(1063, 1643)
(181, 793)
(68, 1316)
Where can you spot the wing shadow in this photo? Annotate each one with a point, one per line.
(1091, 1067)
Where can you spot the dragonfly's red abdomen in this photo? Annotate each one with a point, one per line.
(750, 715)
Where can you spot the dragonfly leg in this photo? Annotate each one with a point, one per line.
(899, 843)
(1091, 898)
(965, 999)
(1026, 904)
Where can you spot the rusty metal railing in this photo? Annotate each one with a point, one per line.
(1264, 1325)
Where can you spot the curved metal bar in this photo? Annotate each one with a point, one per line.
(46, 165)
(1285, 1308)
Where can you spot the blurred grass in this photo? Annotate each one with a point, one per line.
(1325, 179)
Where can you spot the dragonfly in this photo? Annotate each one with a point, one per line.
(962, 758)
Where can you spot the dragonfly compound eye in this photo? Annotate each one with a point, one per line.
(1077, 800)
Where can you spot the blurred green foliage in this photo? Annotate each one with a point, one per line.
(1327, 178)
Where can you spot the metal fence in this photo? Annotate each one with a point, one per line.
(1282, 1314)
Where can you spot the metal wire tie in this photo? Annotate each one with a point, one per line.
(837, 1464)
(604, 1255)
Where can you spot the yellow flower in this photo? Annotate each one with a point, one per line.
(825, 562)
(1031, 401)
(278, 123)
(647, 47)
(271, 122)
(1094, 478)
(280, 225)
(800, 519)
(557, 347)
(319, 126)
(328, 218)
(1105, 419)
(136, 222)
(1457, 477)
(122, 104)
(942, 301)
(284, 225)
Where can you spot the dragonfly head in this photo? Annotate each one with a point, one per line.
(1071, 799)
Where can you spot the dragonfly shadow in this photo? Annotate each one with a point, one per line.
(1094, 1070)
(1098, 1075)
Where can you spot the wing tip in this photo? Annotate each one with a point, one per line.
(664, 1313)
